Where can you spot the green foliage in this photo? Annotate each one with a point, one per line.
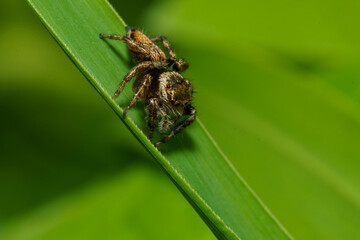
(277, 86)
(192, 161)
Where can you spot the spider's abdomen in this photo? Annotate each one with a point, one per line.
(142, 48)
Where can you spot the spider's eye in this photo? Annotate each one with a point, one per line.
(168, 86)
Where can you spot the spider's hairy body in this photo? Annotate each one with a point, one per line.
(142, 48)
(158, 83)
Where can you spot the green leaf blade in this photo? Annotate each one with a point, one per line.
(192, 160)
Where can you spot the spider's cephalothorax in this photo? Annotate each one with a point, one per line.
(158, 83)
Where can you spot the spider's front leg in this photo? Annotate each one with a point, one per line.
(139, 67)
(166, 122)
(167, 46)
(154, 109)
(191, 111)
(142, 88)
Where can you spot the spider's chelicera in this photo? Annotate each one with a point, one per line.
(158, 84)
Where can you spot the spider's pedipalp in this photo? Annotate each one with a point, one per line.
(192, 115)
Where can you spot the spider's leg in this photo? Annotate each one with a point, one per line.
(167, 46)
(180, 65)
(132, 45)
(165, 123)
(144, 85)
(116, 37)
(192, 115)
(175, 119)
(139, 67)
(152, 111)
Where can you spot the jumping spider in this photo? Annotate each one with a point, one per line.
(158, 83)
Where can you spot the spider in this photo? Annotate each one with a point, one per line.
(158, 83)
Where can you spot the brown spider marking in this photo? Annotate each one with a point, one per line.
(158, 83)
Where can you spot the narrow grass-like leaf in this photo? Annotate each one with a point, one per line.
(192, 160)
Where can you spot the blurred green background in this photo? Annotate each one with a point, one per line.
(278, 87)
